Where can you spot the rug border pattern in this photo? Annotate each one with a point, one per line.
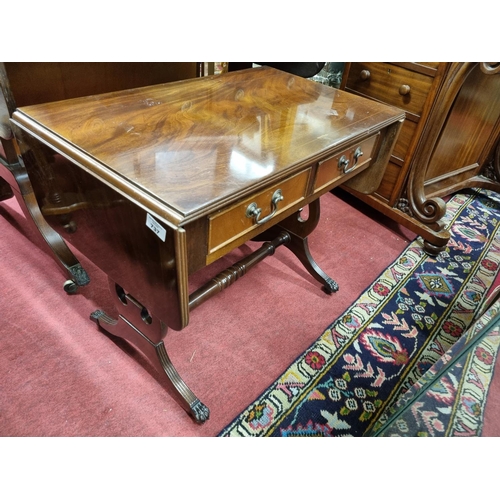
(295, 382)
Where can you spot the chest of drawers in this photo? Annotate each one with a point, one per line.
(447, 142)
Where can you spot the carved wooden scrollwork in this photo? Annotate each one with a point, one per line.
(431, 210)
(427, 210)
(403, 205)
(492, 168)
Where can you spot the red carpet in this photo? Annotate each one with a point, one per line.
(61, 376)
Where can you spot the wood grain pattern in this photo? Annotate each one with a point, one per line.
(153, 183)
(233, 227)
(385, 82)
(405, 137)
(39, 82)
(466, 132)
(191, 155)
(206, 141)
(30, 83)
(328, 170)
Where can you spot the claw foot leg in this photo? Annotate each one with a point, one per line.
(299, 229)
(156, 354)
(300, 247)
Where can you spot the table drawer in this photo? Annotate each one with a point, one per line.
(390, 84)
(232, 226)
(335, 168)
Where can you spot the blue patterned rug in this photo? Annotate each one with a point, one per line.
(396, 330)
(450, 399)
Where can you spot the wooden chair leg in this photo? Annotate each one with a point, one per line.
(15, 178)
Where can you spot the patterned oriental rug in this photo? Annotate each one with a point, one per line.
(449, 400)
(384, 343)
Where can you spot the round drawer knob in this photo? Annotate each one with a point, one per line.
(365, 74)
(404, 89)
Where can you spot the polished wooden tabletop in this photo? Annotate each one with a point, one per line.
(196, 144)
(182, 173)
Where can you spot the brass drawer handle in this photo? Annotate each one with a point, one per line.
(344, 161)
(253, 211)
(404, 89)
(344, 164)
(357, 154)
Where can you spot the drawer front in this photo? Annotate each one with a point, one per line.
(433, 65)
(405, 137)
(231, 227)
(390, 84)
(391, 176)
(335, 168)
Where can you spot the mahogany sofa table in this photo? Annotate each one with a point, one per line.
(155, 183)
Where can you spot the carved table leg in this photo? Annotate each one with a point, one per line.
(298, 230)
(60, 251)
(430, 211)
(152, 347)
(300, 247)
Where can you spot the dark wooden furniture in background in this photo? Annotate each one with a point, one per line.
(448, 140)
(159, 182)
(24, 84)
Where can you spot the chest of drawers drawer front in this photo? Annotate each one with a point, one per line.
(390, 84)
(231, 227)
(405, 137)
(333, 169)
(386, 190)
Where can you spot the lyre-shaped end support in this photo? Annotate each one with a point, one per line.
(151, 345)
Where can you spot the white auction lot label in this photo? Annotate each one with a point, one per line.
(156, 227)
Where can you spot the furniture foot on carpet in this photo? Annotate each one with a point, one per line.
(153, 348)
(300, 248)
(299, 229)
(16, 176)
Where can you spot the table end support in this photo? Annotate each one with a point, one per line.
(298, 230)
(156, 354)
